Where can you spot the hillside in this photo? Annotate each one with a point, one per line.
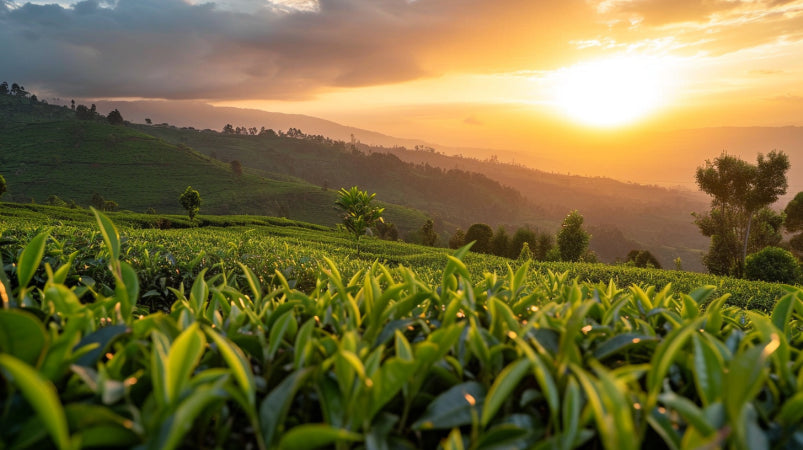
(75, 159)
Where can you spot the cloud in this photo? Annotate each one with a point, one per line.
(280, 49)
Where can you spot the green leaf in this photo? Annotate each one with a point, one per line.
(389, 380)
(274, 408)
(693, 415)
(458, 406)
(184, 355)
(277, 332)
(782, 313)
(41, 395)
(708, 371)
(454, 441)
(99, 427)
(253, 282)
(572, 408)
(101, 340)
(177, 425)
(621, 342)
(502, 388)
(22, 335)
(30, 258)
(237, 362)
(745, 379)
(199, 294)
(664, 357)
(110, 235)
(309, 436)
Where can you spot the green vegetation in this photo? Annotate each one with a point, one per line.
(191, 201)
(772, 264)
(572, 238)
(358, 213)
(741, 195)
(263, 348)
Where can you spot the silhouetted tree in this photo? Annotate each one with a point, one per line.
(148, 121)
(643, 258)
(458, 239)
(72, 105)
(520, 237)
(228, 129)
(572, 238)
(191, 201)
(739, 190)
(500, 243)
(84, 113)
(115, 118)
(428, 234)
(97, 201)
(482, 234)
(4, 88)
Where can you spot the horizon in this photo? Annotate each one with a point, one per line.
(546, 81)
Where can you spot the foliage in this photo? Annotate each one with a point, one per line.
(358, 213)
(572, 238)
(428, 235)
(772, 264)
(458, 239)
(739, 191)
(481, 234)
(388, 357)
(525, 254)
(500, 242)
(793, 213)
(3, 186)
(643, 258)
(115, 118)
(190, 200)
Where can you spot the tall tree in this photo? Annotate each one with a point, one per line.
(191, 201)
(793, 221)
(115, 118)
(572, 238)
(428, 235)
(358, 212)
(481, 234)
(739, 190)
(500, 243)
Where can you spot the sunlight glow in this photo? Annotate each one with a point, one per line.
(611, 92)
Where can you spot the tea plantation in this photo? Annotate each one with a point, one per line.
(248, 332)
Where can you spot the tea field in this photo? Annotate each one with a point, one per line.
(249, 332)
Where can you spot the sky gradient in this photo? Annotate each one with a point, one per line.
(459, 72)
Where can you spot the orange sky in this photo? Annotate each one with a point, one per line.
(474, 73)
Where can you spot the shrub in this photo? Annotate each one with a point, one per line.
(772, 264)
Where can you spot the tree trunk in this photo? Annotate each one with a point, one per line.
(747, 237)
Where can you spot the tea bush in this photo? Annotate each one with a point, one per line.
(772, 264)
(384, 358)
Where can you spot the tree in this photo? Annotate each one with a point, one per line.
(739, 192)
(4, 88)
(97, 201)
(148, 121)
(386, 231)
(3, 186)
(572, 238)
(115, 118)
(524, 235)
(481, 234)
(358, 213)
(794, 214)
(772, 264)
(428, 234)
(191, 201)
(643, 258)
(458, 239)
(500, 243)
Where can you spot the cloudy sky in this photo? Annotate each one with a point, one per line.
(460, 72)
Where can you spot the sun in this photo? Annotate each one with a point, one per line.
(610, 92)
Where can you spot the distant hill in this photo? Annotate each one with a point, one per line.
(74, 159)
(204, 116)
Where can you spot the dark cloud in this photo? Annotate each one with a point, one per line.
(173, 49)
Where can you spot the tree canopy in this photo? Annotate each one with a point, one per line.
(482, 234)
(572, 238)
(739, 191)
(191, 201)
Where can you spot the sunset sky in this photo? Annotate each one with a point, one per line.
(506, 74)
